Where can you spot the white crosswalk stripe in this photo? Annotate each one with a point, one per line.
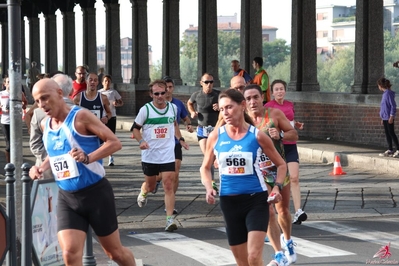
(372, 236)
(311, 249)
(201, 251)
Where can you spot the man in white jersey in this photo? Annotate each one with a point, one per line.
(157, 119)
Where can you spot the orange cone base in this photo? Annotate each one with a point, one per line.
(337, 167)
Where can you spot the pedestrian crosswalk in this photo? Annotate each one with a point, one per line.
(311, 248)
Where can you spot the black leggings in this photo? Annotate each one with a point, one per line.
(390, 134)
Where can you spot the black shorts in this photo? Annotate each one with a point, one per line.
(291, 153)
(6, 132)
(151, 169)
(178, 152)
(244, 213)
(93, 205)
(111, 124)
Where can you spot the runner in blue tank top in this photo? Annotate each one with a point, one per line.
(243, 193)
(85, 197)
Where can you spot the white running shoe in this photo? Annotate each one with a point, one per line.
(396, 154)
(279, 260)
(141, 200)
(387, 153)
(111, 161)
(300, 216)
(170, 225)
(289, 249)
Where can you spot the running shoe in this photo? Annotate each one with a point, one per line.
(289, 249)
(279, 260)
(170, 225)
(174, 211)
(300, 216)
(387, 153)
(156, 187)
(267, 239)
(396, 154)
(141, 200)
(111, 161)
(215, 187)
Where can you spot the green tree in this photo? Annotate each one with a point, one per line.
(281, 70)
(228, 50)
(391, 55)
(156, 70)
(189, 46)
(336, 73)
(275, 52)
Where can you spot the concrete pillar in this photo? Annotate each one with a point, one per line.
(361, 48)
(69, 43)
(34, 41)
(23, 53)
(251, 34)
(113, 42)
(208, 40)
(140, 65)
(4, 44)
(309, 60)
(171, 41)
(369, 52)
(296, 47)
(50, 42)
(89, 38)
(376, 45)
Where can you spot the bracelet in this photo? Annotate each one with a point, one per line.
(141, 141)
(86, 160)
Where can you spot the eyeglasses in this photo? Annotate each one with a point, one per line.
(240, 88)
(159, 93)
(208, 81)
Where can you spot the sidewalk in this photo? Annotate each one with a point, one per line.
(322, 151)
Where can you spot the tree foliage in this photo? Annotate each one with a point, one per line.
(275, 52)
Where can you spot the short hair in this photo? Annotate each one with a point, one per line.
(169, 79)
(258, 60)
(159, 82)
(34, 63)
(251, 87)
(65, 83)
(108, 76)
(235, 61)
(91, 73)
(279, 81)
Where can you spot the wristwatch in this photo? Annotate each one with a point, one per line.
(182, 139)
(281, 134)
(279, 185)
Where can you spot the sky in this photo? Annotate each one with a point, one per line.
(274, 13)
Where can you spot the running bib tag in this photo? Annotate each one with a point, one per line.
(236, 163)
(64, 167)
(160, 133)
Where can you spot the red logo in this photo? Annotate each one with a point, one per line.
(383, 253)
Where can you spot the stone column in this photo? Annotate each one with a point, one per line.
(375, 44)
(251, 33)
(4, 43)
(208, 40)
(140, 66)
(69, 43)
(50, 42)
(89, 38)
(296, 46)
(171, 41)
(309, 46)
(361, 49)
(113, 42)
(34, 41)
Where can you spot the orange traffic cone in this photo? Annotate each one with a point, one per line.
(337, 167)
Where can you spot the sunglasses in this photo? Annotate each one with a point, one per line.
(208, 81)
(159, 93)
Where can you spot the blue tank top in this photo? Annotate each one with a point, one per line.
(69, 174)
(239, 163)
